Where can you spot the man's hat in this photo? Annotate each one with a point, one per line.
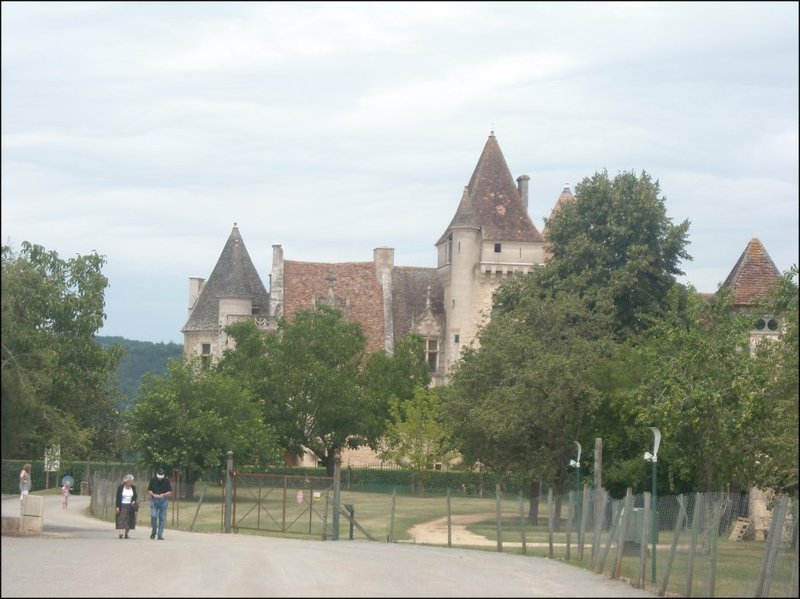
(160, 472)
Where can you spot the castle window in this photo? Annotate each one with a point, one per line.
(498, 247)
(432, 354)
(770, 324)
(457, 338)
(205, 352)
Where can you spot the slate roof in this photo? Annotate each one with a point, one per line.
(409, 297)
(233, 276)
(494, 201)
(355, 282)
(753, 275)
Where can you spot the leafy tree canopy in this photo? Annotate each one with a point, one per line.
(615, 246)
(57, 383)
(191, 417)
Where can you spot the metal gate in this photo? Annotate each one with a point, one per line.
(282, 503)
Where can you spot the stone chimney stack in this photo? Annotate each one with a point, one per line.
(522, 186)
(196, 285)
(276, 282)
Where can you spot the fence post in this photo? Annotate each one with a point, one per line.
(616, 516)
(641, 577)
(584, 519)
(696, 515)
(499, 521)
(627, 514)
(449, 521)
(550, 516)
(199, 503)
(522, 523)
(228, 491)
(675, 537)
(391, 520)
(713, 536)
(774, 539)
(599, 521)
(337, 495)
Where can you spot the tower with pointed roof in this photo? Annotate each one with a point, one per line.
(491, 237)
(750, 282)
(234, 291)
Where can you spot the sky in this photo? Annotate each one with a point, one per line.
(144, 130)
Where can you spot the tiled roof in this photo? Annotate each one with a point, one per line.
(494, 201)
(409, 297)
(566, 196)
(233, 276)
(354, 282)
(753, 276)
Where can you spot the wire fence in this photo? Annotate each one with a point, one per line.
(694, 545)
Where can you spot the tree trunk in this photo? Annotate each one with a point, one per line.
(533, 510)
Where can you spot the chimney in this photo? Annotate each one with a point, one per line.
(522, 186)
(196, 285)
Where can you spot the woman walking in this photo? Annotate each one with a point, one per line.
(126, 506)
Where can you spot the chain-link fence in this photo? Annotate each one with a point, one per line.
(701, 544)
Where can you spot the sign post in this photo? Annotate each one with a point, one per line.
(52, 462)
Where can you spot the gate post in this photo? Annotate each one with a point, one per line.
(228, 491)
(337, 496)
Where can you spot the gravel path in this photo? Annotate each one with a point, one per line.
(80, 556)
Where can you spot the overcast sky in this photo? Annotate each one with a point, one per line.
(144, 131)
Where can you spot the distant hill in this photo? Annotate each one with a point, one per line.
(140, 357)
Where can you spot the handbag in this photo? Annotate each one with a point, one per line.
(134, 507)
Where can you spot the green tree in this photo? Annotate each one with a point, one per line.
(519, 402)
(396, 376)
(308, 374)
(415, 437)
(777, 457)
(699, 384)
(57, 383)
(615, 246)
(192, 416)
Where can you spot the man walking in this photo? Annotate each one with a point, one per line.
(159, 490)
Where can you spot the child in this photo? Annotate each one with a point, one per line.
(65, 495)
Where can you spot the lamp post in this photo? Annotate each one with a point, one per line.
(653, 459)
(576, 463)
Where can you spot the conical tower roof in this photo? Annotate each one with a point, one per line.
(566, 196)
(234, 276)
(494, 203)
(753, 276)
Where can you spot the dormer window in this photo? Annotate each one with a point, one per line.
(432, 354)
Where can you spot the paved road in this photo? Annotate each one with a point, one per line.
(80, 556)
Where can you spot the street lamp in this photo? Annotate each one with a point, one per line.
(653, 459)
(576, 463)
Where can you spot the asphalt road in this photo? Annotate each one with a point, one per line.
(80, 556)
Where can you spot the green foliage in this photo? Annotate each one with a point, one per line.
(191, 417)
(778, 454)
(414, 438)
(698, 383)
(519, 402)
(57, 383)
(615, 246)
(139, 358)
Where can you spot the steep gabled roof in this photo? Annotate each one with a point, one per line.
(753, 276)
(233, 276)
(411, 288)
(494, 201)
(356, 283)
